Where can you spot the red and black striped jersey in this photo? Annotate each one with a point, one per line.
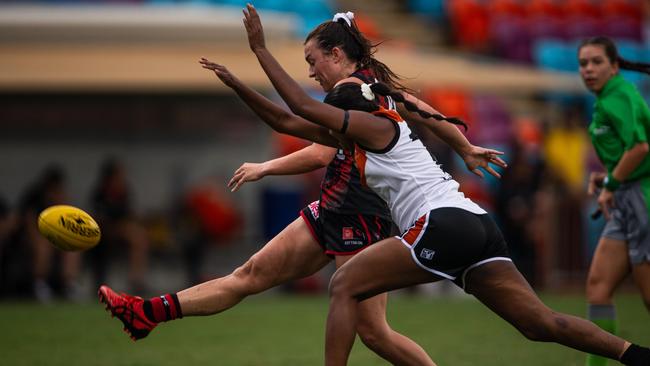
(341, 188)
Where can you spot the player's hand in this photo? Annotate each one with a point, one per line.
(221, 71)
(248, 172)
(595, 182)
(606, 201)
(479, 157)
(253, 26)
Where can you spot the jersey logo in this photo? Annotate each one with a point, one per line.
(352, 236)
(601, 130)
(313, 207)
(348, 233)
(427, 253)
(340, 154)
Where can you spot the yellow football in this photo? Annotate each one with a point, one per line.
(69, 228)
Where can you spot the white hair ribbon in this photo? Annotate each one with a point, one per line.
(367, 92)
(345, 16)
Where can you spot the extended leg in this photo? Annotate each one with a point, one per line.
(292, 254)
(501, 287)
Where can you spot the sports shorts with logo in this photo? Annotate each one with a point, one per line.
(628, 221)
(342, 234)
(450, 241)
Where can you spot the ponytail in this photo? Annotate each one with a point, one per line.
(361, 97)
(633, 66)
(385, 90)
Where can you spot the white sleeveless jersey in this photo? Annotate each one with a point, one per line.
(408, 179)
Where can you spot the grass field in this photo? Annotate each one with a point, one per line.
(281, 330)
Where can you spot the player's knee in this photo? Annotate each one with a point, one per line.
(338, 284)
(375, 336)
(597, 291)
(252, 275)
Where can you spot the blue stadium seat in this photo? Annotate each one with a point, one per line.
(277, 5)
(433, 9)
(553, 54)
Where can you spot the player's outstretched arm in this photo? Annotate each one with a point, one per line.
(272, 114)
(305, 160)
(364, 128)
(296, 98)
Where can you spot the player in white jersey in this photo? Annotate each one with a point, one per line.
(405, 175)
(455, 239)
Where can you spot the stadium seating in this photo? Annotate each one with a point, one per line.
(553, 54)
(470, 24)
(431, 9)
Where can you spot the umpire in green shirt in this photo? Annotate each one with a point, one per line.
(619, 131)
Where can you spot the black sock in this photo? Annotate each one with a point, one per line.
(148, 310)
(636, 356)
(162, 308)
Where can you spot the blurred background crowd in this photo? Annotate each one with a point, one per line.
(104, 106)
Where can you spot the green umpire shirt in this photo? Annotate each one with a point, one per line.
(621, 120)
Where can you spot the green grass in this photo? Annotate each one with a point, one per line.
(278, 330)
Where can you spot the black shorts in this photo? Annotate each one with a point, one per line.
(341, 234)
(450, 241)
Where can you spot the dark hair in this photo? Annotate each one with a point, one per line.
(348, 96)
(612, 54)
(356, 46)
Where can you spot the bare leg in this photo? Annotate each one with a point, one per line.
(359, 279)
(292, 254)
(641, 274)
(378, 336)
(138, 241)
(608, 268)
(71, 268)
(501, 287)
(42, 252)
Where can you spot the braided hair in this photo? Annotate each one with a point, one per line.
(348, 96)
(356, 46)
(612, 54)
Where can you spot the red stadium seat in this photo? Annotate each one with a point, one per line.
(449, 102)
(470, 23)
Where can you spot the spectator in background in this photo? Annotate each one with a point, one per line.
(566, 150)
(208, 217)
(48, 190)
(111, 202)
(515, 207)
(7, 223)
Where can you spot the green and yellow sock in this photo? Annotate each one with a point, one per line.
(603, 316)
